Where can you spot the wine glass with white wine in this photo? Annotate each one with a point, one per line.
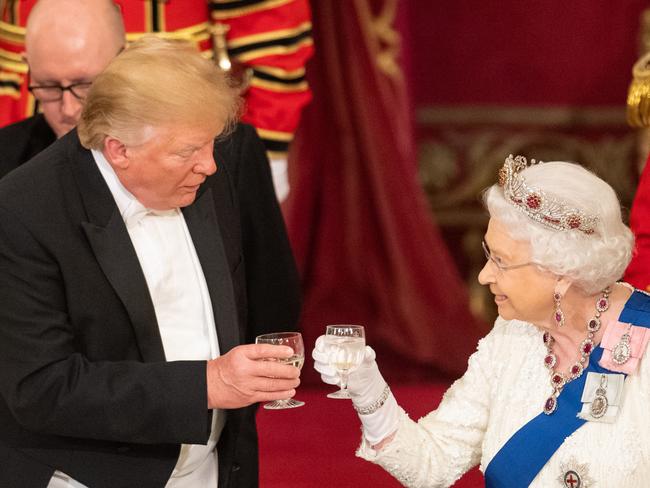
(294, 341)
(345, 348)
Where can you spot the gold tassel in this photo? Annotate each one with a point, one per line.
(638, 96)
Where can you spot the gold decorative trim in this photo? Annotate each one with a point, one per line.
(162, 20)
(7, 76)
(382, 39)
(195, 33)
(12, 92)
(281, 73)
(148, 14)
(268, 36)
(12, 62)
(12, 33)
(31, 104)
(275, 135)
(11, 56)
(558, 116)
(236, 12)
(278, 86)
(270, 51)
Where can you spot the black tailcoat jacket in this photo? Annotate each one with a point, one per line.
(84, 385)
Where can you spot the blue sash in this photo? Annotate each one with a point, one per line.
(529, 449)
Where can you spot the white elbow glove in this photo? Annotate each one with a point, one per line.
(373, 401)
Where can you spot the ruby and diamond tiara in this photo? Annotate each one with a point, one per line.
(538, 205)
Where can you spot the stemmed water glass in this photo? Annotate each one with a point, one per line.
(294, 341)
(345, 348)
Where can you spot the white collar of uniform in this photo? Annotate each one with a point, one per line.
(129, 206)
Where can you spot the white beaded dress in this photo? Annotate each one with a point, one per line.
(504, 387)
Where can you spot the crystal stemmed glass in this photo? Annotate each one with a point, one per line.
(345, 348)
(294, 341)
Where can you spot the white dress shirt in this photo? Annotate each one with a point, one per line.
(183, 310)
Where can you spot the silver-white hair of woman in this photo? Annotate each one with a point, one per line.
(570, 217)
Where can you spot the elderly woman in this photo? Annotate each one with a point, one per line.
(558, 393)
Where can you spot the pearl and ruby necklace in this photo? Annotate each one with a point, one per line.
(558, 380)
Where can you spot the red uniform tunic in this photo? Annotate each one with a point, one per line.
(16, 102)
(638, 271)
(269, 40)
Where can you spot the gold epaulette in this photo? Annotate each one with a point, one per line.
(638, 96)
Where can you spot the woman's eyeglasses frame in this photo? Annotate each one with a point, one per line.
(501, 267)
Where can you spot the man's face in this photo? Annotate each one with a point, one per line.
(166, 171)
(65, 62)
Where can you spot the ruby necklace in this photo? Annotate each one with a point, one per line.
(558, 380)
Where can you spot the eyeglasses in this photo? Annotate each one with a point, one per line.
(54, 93)
(497, 261)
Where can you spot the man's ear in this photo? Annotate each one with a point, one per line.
(116, 153)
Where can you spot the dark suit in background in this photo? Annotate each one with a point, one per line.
(78, 333)
(22, 141)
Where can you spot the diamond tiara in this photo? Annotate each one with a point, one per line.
(538, 205)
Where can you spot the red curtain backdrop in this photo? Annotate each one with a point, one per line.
(361, 229)
(555, 52)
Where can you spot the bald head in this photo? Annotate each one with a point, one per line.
(69, 42)
(81, 21)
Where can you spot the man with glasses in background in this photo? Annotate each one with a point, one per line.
(264, 44)
(68, 43)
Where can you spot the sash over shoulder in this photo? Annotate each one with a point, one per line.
(522, 457)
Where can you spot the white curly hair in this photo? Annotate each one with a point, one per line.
(591, 261)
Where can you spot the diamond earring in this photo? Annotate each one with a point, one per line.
(558, 315)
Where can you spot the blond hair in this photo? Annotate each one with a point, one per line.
(156, 83)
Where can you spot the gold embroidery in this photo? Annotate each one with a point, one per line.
(382, 38)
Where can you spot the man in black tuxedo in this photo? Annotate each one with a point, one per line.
(132, 270)
(68, 44)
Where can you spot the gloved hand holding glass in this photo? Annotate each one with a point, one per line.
(370, 394)
(344, 345)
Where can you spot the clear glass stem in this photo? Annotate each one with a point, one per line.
(345, 376)
(342, 393)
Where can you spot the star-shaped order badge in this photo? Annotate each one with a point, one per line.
(575, 475)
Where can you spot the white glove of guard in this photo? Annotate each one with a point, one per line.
(365, 386)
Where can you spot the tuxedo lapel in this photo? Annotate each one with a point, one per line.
(202, 222)
(114, 251)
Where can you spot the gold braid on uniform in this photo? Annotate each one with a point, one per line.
(638, 96)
